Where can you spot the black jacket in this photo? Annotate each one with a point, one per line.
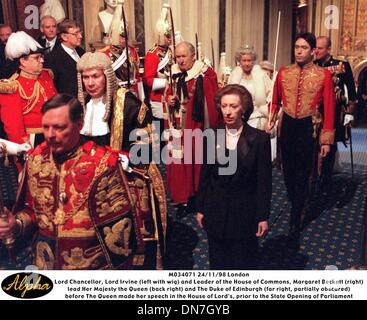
(7, 67)
(343, 79)
(234, 205)
(42, 42)
(64, 69)
(131, 110)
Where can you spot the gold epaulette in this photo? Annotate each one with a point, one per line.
(151, 50)
(104, 49)
(50, 72)
(10, 85)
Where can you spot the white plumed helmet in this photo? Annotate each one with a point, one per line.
(21, 44)
(163, 28)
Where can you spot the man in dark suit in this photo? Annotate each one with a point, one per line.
(63, 59)
(345, 97)
(7, 67)
(49, 39)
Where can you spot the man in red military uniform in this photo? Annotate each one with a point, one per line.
(116, 51)
(300, 89)
(119, 65)
(24, 93)
(191, 106)
(157, 66)
(76, 197)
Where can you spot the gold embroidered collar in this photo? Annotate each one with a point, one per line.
(28, 75)
(306, 66)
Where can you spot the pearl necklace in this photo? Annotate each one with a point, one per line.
(234, 135)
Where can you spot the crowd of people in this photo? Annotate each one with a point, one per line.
(89, 200)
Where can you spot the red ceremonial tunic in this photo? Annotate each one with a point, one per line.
(21, 110)
(301, 92)
(156, 72)
(121, 71)
(70, 203)
(183, 178)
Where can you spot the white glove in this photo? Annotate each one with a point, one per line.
(124, 162)
(348, 118)
(14, 148)
(23, 148)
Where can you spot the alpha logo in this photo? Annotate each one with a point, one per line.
(27, 285)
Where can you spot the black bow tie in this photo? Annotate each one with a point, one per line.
(181, 84)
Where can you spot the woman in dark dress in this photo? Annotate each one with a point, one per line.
(233, 209)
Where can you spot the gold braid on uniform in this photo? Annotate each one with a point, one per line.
(9, 86)
(33, 98)
(117, 126)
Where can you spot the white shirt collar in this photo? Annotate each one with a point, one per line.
(71, 52)
(51, 43)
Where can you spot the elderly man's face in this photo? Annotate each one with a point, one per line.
(49, 28)
(61, 134)
(32, 64)
(94, 81)
(322, 51)
(5, 34)
(185, 59)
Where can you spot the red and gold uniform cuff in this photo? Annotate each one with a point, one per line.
(327, 137)
(27, 225)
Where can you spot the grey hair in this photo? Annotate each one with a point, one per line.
(47, 17)
(245, 50)
(189, 45)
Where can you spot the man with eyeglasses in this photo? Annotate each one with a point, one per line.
(63, 59)
(23, 94)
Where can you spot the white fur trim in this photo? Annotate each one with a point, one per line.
(262, 95)
(159, 84)
(199, 68)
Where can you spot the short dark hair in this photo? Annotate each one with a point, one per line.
(64, 26)
(308, 37)
(244, 95)
(76, 111)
